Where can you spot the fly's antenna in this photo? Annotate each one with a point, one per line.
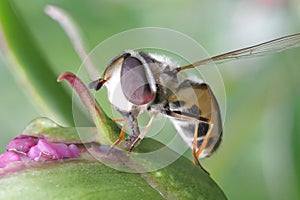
(97, 84)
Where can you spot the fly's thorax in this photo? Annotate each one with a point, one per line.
(166, 79)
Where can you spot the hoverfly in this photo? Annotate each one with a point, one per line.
(140, 82)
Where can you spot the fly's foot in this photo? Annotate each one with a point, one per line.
(128, 142)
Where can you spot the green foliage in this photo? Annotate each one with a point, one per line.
(89, 179)
(76, 179)
(31, 67)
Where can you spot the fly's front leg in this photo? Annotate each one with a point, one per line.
(131, 121)
(121, 136)
(142, 135)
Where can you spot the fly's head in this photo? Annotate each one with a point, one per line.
(135, 79)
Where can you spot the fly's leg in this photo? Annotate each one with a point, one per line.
(130, 119)
(196, 153)
(121, 136)
(142, 135)
(118, 120)
(205, 141)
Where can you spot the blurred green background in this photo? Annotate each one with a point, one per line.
(259, 156)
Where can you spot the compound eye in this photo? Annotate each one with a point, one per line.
(134, 82)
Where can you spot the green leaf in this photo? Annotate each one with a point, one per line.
(87, 178)
(31, 68)
(184, 180)
(75, 179)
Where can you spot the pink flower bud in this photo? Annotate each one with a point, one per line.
(22, 144)
(7, 157)
(37, 149)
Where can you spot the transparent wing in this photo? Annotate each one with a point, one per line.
(273, 46)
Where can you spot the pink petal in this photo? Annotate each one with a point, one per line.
(74, 150)
(44, 150)
(48, 148)
(63, 150)
(34, 153)
(21, 144)
(9, 157)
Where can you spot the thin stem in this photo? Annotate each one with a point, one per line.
(100, 119)
(69, 26)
